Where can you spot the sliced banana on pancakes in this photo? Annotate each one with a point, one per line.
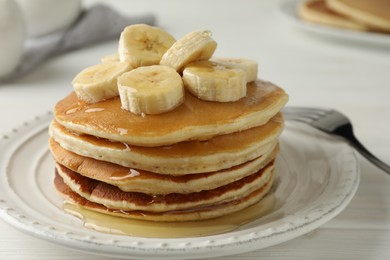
(99, 82)
(143, 45)
(249, 66)
(212, 81)
(195, 46)
(151, 90)
(156, 89)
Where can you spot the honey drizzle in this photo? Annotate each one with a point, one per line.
(141, 228)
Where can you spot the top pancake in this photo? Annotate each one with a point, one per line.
(193, 120)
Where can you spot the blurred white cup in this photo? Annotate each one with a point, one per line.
(47, 16)
(12, 36)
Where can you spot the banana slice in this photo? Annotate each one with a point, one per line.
(110, 58)
(249, 66)
(143, 45)
(151, 90)
(99, 82)
(195, 46)
(214, 82)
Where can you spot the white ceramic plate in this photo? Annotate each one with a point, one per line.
(317, 177)
(288, 9)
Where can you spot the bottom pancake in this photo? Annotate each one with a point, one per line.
(112, 197)
(195, 213)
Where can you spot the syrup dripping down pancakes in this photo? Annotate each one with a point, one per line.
(201, 159)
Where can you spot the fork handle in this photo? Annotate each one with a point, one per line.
(368, 155)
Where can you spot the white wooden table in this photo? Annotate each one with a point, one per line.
(315, 71)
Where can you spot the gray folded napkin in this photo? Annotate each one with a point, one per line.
(97, 24)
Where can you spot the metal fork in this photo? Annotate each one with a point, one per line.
(332, 122)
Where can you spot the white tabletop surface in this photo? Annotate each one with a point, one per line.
(316, 71)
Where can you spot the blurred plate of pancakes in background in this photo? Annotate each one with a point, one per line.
(358, 21)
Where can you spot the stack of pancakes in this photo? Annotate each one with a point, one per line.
(199, 161)
(362, 15)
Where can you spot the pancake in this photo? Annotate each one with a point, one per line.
(317, 11)
(220, 152)
(114, 198)
(135, 180)
(193, 120)
(373, 13)
(197, 213)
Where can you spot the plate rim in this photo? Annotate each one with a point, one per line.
(240, 241)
